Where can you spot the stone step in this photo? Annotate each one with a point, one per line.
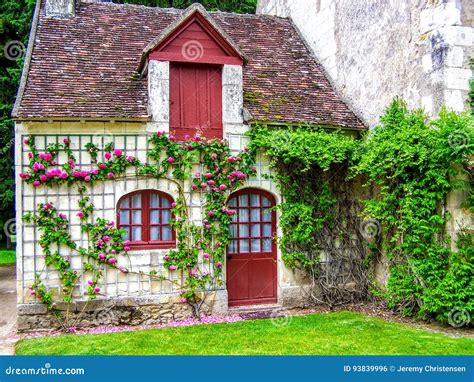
(255, 308)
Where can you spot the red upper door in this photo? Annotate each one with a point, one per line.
(196, 100)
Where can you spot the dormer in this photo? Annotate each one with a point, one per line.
(194, 74)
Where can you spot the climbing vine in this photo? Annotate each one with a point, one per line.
(319, 212)
(200, 247)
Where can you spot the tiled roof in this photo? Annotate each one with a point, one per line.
(84, 67)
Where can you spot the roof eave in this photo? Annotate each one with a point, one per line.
(28, 55)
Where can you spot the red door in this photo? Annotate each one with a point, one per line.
(196, 100)
(252, 252)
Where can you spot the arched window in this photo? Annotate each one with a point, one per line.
(146, 217)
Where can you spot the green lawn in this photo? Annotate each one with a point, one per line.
(7, 257)
(342, 333)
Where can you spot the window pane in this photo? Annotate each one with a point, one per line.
(165, 203)
(244, 215)
(244, 230)
(124, 217)
(167, 233)
(233, 246)
(255, 214)
(265, 202)
(266, 215)
(267, 230)
(125, 203)
(166, 216)
(126, 236)
(244, 246)
(136, 233)
(154, 217)
(232, 202)
(255, 230)
(155, 233)
(243, 200)
(233, 230)
(154, 200)
(254, 200)
(137, 217)
(137, 201)
(267, 245)
(256, 245)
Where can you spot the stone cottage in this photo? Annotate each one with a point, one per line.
(112, 75)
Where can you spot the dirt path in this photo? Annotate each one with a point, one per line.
(7, 309)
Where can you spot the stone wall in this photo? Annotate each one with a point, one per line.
(374, 51)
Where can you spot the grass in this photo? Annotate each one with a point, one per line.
(341, 333)
(7, 257)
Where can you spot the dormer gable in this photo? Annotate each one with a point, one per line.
(194, 38)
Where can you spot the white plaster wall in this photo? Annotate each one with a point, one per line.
(374, 51)
(159, 95)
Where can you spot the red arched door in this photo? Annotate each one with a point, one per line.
(252, 251)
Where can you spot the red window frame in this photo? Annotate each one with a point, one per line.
(145, 224)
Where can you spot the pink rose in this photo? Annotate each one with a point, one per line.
(102, 166)
(118, 152)
(166, 258)
(96, 290)
(219, 264)
(43, 178)
(126, 243)
(211, 182)
(80, 214)
(173, 205)
(66, 141)
(112, 261)
(30, 155)
(90, 282)
(107, 155)
(64, 175)
(26, 141)
(205, 255)
(87, 178)
(208, 175)
(172, 138)
(183, 300)
(170, 160)
(210, 214)
(194, 187)
(172, 268)
(213, 156)
(62, 216)
(159, 133)
(110, 175)
(222, 187)
(36, 183)
(203, 185)
(101, 257)
(126, 249)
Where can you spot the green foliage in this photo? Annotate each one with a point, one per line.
(415, 164)
(318, 207)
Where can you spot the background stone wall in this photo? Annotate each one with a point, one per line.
(376, 50)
